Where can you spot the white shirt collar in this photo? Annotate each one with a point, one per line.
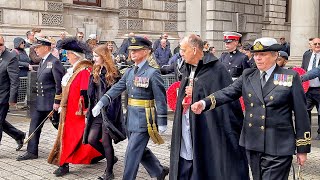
(141, 63)
(46, 56)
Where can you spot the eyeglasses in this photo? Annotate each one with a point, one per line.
(316, 44)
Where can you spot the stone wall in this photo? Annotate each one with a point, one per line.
(148, 17)
(275, 24)
(102, 21)
(19, 16)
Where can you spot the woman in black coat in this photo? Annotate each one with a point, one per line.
(24, 60)
(105, 126)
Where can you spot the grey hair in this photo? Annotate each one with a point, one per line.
(194, 41)
(79, 55)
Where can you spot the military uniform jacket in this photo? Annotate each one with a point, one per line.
(235, 62)
(9, 77)
(146, 84)
(49, 88)
(268, 125)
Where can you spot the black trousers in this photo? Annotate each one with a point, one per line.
(36, 119)
(267, 167)
(313, 99)
(185, 169)
(6, 126)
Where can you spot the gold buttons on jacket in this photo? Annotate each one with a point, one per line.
(251, 115)
(271, 97)
(263, 117)
(262, 127)
(250, 125)
(249, 94)
(263, 106)
(251, 104)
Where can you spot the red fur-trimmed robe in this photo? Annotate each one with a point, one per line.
(68, 147)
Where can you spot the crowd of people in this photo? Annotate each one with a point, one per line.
(212, 138)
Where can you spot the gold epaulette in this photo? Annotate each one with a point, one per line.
(213, 101)
(58, 97)
(305, 141)
(122, 71)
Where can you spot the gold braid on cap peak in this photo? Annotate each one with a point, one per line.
(305, 141)
(213, 101)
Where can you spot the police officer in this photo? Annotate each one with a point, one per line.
(247, 52)
(272, 95)
(9, 80)
(49, 90)
(145, 91)
(233, 59)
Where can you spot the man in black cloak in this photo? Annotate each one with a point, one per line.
(205, 146)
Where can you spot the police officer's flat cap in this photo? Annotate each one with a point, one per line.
(265, 44)
(231, 36)
(138, 42)
(247, 46)
(283, 54)
(41, 41)
(72, 44)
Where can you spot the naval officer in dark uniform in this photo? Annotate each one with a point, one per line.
(49, 90)
(271, 95)
(234, 60)
(145, 91)
(9, 80)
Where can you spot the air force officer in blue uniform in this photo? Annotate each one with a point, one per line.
(271, 95)
(146, 104)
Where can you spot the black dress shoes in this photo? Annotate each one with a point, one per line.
(62, 170)
(164, 173)
(26, 156)
(20, 142)
(106, 176)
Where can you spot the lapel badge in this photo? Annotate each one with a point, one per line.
(276, 79)
(49, 65)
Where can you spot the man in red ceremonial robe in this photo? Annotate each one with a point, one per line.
(68, 147)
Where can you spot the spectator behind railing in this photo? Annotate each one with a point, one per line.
(23, 58)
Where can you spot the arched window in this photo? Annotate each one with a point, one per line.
(88, 2)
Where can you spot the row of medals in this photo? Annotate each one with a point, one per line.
(283, 80)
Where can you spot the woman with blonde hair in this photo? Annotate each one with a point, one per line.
(108, 125)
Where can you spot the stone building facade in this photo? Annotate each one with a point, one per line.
(295, 20)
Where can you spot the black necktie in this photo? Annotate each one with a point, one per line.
(136, 69)
(263, 78)
(314, 65)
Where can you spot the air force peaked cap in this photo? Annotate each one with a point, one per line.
(138, 42)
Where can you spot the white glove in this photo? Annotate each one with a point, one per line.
(162, 129)
(96, 109)
(59, 110)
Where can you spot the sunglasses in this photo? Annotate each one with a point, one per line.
(316, 44)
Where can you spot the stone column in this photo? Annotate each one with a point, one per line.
(304, 24)
(193, 16)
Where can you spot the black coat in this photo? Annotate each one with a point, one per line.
(235, 62)
(113, 112)
(9, 79)
(268, 125)
(215, 134)
(23, 58)
(306, 60)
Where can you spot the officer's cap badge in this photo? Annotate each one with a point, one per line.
(258, 46)
(133, 40)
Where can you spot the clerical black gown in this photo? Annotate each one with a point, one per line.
(215, 134)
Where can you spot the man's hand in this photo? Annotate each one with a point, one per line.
(197, 107)
(301, 158)
(162, 129)
(30, 68)
(96, 109)
(56, 107)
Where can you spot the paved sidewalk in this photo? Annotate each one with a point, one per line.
(40, 169)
